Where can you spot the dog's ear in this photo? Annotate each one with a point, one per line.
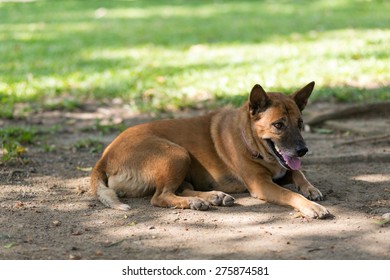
(258, 100)
(301, 96)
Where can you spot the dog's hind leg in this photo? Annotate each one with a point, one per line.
(216, 198)
(167, 173)
(171, 200)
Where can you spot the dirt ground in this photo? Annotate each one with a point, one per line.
(47, 213)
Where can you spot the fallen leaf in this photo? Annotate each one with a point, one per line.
(20, 150)
(323, 131)
(75, 257)
(133, 223)
(10, 245)
(85, 169)
(297, 215)
(383, 220)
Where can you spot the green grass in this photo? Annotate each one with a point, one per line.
(92, 145)
(13, 139)
(163, 55)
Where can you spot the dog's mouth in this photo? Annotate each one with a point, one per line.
(286, 161)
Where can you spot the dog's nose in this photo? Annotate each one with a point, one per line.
(302, 151)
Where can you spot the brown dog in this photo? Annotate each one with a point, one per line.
(191, 163)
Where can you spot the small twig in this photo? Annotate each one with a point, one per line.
(347, 158)
(114, 243)
(316, 249)
(374, 139)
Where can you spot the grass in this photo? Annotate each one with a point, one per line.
(163, 55)
(12, 141)
(92, 145)
(15, 139)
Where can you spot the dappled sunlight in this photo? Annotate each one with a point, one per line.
(183, 232)
(373, 178)
(167, 11)
(336, 58)
(17, 1)
(167, 55)
(42, 32)
(57, 211)
(197, 10)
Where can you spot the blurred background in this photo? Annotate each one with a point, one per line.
(164, 55)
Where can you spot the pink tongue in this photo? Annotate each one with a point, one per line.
(293, 162)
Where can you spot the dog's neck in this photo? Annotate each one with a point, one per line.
(255, 154)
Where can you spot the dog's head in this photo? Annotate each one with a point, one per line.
(277, 122)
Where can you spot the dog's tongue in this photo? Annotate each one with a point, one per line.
(293, 162)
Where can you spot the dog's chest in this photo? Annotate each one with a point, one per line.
(280, 173)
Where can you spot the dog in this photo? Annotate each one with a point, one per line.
(198, 162)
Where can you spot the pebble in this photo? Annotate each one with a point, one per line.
(386, 217)
(74, 257)
(98, 253)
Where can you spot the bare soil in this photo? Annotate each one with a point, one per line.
(47, 213)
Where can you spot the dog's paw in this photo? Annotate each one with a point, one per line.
(121, 206)
(199, 204)
(315, 211)
(311, 193)
(228, 200)
(221, 199)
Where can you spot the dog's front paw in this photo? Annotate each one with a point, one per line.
(315, 210)
(199, 204)
(221, 199)
(311, 193)
(228, 200)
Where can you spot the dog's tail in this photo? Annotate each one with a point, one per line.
(99, 187)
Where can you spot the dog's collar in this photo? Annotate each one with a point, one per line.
(255, 154)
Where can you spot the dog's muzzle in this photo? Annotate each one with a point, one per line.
(285, 159)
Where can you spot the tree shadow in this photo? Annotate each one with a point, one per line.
(250, 230)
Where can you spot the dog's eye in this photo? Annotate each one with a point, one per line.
(278, 125)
